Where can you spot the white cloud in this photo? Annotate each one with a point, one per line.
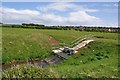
(64, 6)
(116, 5)
(82, 17)
(106, 5)
(57, 6)
(13, 15)
(75, 17)
(109, 5)
(91, 10)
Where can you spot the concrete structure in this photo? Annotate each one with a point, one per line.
(82, 44)
(65, 52)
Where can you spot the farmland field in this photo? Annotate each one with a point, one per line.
(98, 59)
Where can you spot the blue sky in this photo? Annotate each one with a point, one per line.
(60, 0)
(61, 13)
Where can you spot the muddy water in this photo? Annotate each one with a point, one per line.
(41, 63)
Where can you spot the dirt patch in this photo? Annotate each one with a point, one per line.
(52, 41)
(45, 40)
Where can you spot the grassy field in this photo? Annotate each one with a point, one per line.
(98, 59)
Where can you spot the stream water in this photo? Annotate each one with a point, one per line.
(54, 59)
(41, 63)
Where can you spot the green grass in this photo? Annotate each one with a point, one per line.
(29, 71)
(97, 59)
(22, 44)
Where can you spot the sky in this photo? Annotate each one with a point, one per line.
(61, 13)
(60, 0)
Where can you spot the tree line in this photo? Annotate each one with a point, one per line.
(77, 28)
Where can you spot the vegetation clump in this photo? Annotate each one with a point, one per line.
(29, 71)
